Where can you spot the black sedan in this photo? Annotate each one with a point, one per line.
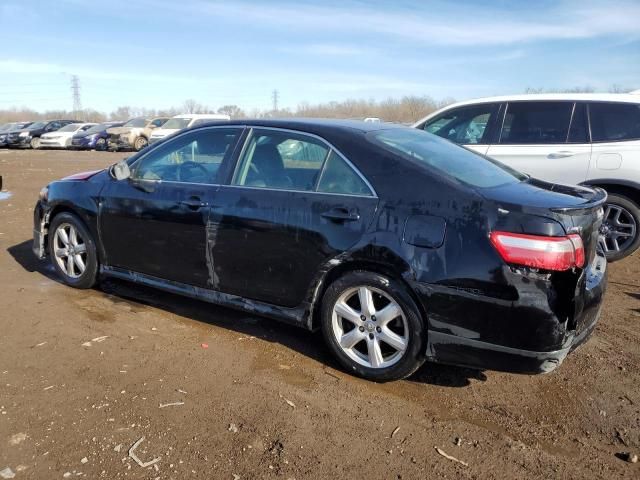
(398, 245)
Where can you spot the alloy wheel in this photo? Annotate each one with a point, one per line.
(370, 327)
(70, 251)
(618, 229)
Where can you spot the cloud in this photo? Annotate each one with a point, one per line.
(26, 67)
(328, 49)
(432, 23)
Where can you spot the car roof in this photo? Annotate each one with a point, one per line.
(539, 97)
(200, 115)
(594, 97)
(312, 125)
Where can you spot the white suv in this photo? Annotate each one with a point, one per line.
(180, 122)
(586, 139)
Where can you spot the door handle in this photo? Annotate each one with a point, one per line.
(193, 203)
(561, 154)
(341, 214)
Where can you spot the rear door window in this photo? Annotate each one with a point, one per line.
(464, 125)
(531, 123)
(614, 122)
(281, 160)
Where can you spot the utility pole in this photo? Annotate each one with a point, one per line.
(75, 89)
(274, 96)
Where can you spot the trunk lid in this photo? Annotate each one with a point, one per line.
(578, 209)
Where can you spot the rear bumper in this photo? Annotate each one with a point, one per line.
(467, 348)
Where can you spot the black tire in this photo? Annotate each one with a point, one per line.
(140, 143)
(632, 212)
(90, 275)
(35, 143)
(414, 354)
(101, 144)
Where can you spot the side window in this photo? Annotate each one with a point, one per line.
(191, 158)
(53, 126)
(278, 159)
(86, 127)
(612, 122)
(579, 128)
(158, 122)
(339, 177)
(465, 125)
(536, 123)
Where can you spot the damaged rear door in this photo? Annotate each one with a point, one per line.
(155, 221)
(293, 203)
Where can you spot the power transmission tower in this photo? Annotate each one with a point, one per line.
(274, 96)
(75, 89)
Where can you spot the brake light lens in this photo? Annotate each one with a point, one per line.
(547, 253)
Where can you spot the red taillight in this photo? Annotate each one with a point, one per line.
(548, 253)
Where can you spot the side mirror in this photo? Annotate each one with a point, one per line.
(120, 170)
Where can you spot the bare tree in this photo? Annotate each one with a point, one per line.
(233, 111)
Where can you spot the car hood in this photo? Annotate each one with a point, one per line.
(83, 175)
(120, 130)
(163, 132)
(56, 134)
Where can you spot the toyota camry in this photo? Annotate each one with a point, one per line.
(398, 245)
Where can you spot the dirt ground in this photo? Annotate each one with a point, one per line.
(265, 400)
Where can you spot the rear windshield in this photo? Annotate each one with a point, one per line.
(177, 123)
(445, 157)
(98, 128)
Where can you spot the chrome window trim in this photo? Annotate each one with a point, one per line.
(312, 135)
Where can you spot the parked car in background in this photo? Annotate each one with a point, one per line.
(134, 134)
(583, 139)
(10, 127)
(180, 122)
(29, 137)
(62, 138)
(397, 244)
(94, 137)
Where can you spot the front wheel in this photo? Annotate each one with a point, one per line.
(620, 227)
(35, 143)
(140, 143)
(73, 251)
(373, 326)
(101, 144)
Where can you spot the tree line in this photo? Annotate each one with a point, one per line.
(402, 110)
(407, 109)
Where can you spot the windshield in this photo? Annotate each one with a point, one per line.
(457, 162)
(177, 123)
(7, 126)
(97, 128)
(72, 127)
(36, 125)
(136, 122)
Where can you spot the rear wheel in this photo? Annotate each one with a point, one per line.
(373, 327)
(140, 143)
(73, 251)
(35, 143)
(620, 227)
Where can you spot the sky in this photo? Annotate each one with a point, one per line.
(158, 53)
